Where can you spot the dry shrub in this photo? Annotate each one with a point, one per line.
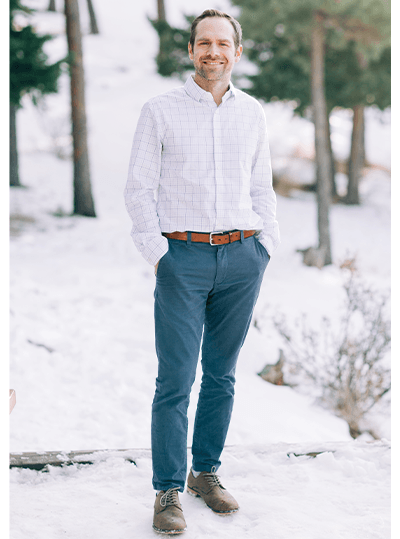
(347, 366)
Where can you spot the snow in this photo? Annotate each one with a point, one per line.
(82, 357)
(337, 494)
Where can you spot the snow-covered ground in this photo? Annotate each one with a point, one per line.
(82, 357)
(342, 494)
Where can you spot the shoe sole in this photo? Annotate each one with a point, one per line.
(221, 513)
(169, 532)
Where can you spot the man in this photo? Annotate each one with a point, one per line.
(209, 232)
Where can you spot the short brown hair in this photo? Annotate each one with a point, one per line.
(216, 13)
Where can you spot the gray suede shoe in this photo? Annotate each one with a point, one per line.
(168, 514)
(208, 486)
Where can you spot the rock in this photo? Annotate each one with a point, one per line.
(274, 373)
(313, 257)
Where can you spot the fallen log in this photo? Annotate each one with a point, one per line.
(39, 461)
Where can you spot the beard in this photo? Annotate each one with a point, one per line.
(209, 73)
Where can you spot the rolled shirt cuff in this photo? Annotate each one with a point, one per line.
(152, 249)
(269, 241)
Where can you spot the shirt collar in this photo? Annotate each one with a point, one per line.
(197, 93)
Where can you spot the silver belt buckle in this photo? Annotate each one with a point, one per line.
(213, 234)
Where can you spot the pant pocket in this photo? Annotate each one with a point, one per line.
(261, 249)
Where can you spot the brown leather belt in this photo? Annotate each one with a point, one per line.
(214, 238)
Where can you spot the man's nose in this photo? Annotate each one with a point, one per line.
(213, 49)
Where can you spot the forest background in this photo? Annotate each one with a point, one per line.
(40, 305)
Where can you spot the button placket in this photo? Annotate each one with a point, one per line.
(218, 168)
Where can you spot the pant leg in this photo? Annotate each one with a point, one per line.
(184, 278)
(229, 311)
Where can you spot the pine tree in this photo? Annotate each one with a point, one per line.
(30, 74)
(83, 199)
(172, 58)
(366, 22)
(284, 74)
(372, 86)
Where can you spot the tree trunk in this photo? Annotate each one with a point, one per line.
(161, 10)
(93, 23)
(334, 192)
(322, 153)
(363, 157)
(83, 200)
(356, 161)
(332, 159)
(14, 169)
(52, 5)
(161, 57)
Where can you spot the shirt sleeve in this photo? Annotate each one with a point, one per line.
(261, 190)
(143, 182)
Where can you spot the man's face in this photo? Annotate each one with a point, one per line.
(214, 53)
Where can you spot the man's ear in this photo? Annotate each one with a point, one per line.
(190, 51)
(239, 53)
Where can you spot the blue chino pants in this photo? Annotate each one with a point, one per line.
(202, 292)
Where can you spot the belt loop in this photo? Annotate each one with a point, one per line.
(241, 236)
(189, 239)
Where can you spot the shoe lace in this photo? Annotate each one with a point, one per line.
(170, 497)
(213, 479)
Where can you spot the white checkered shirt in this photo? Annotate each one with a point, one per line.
(199, 167)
